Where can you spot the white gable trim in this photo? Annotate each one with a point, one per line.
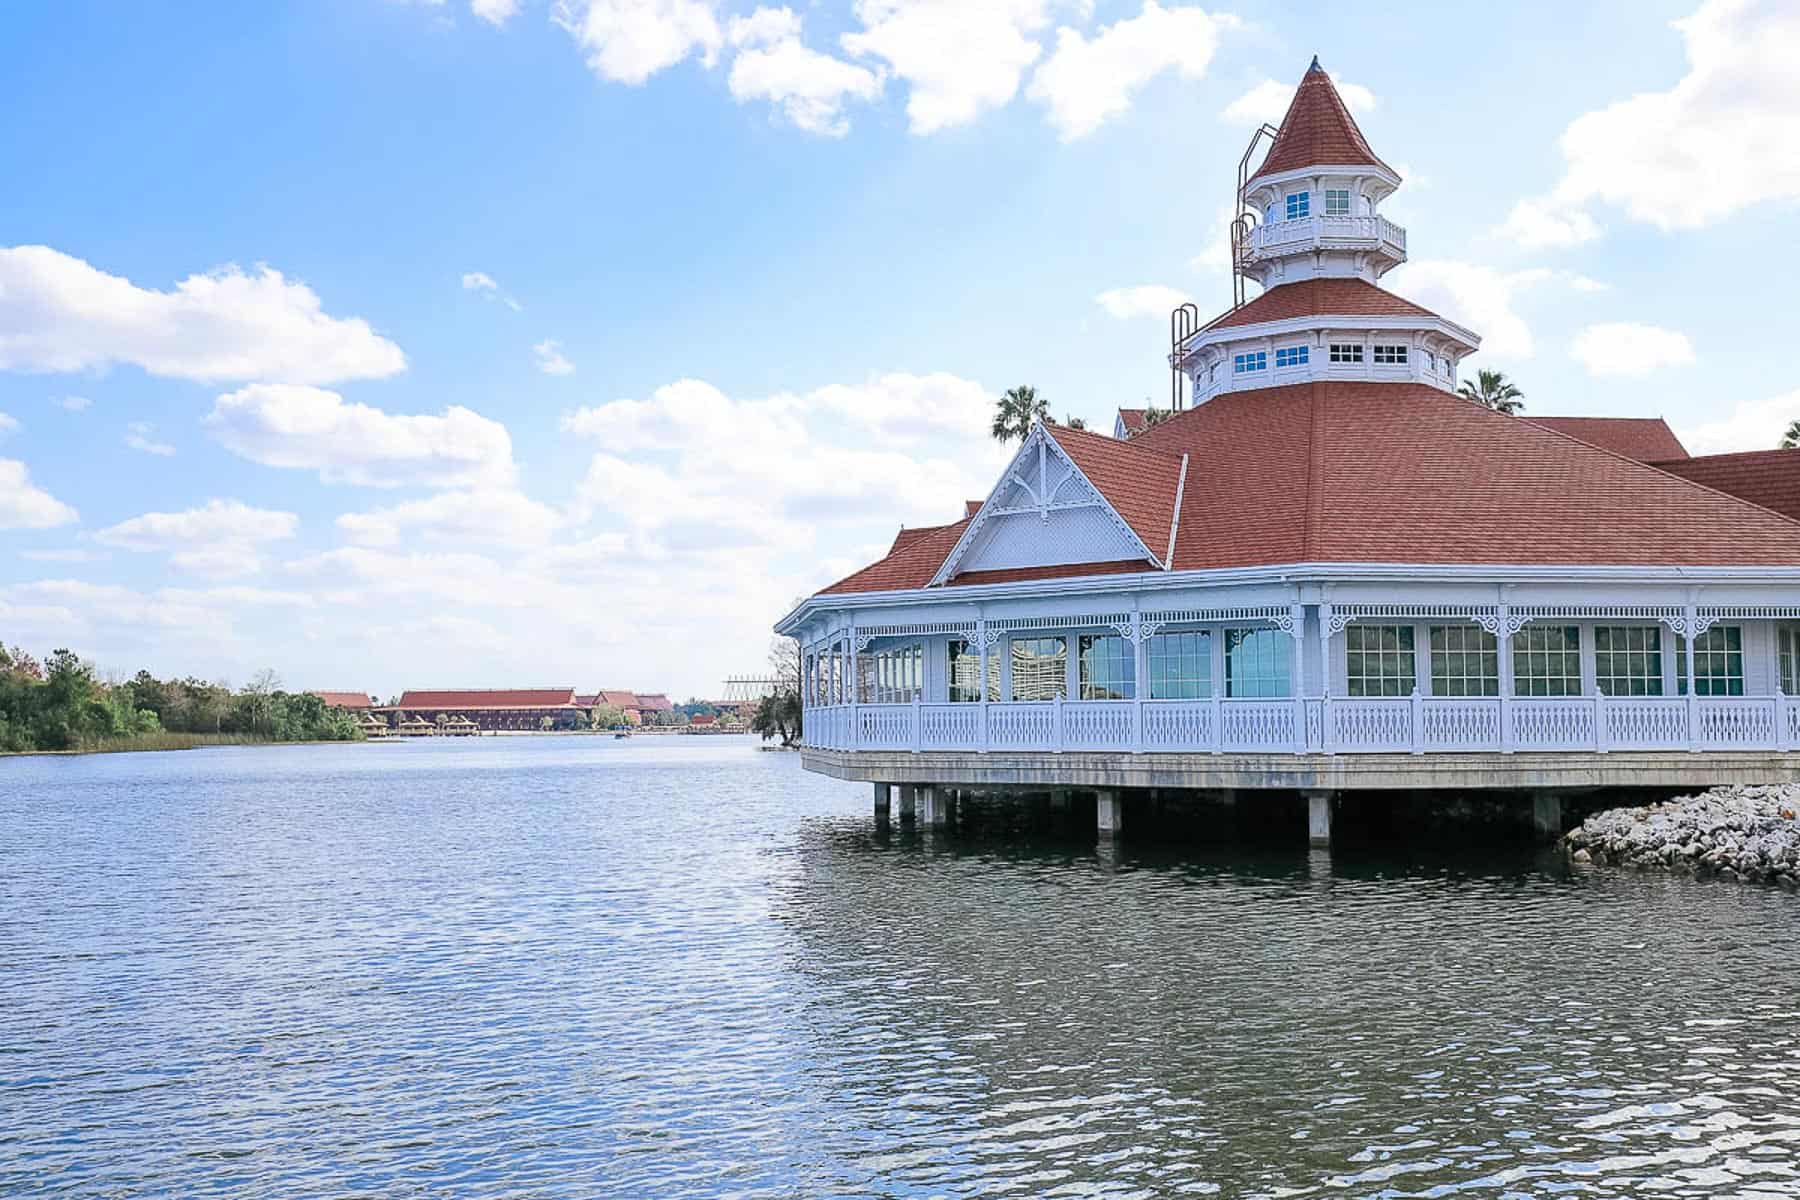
(1034, 452)
(1175, 517)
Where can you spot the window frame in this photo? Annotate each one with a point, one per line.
(1346, 354)
(1540, 671)
(1730, 656)
(1787, 659)
(1189, 652)
(1297, 356)
(1249, 362)
(1330, 194)
(1625, 669)
(1297, 205)
(1390, 354)
(1368, 659)
(1061, 689)
(1451, 676)
(1272, 659)
(958, 692)
(1116, 651)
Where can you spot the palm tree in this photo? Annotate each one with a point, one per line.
(1015, 412)
(1156, 416)
(1075, 423)
(1791, 439)
(1494, 391)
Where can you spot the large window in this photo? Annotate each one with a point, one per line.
(1180, 666)
(1108, 667)
(1337, 202)
(1465, 661)
(1040, 668)
(965, 673)
(1787, 642)
(1547, 661)
(1292, 356)
(1257, 360)
(1256, 663)
(1298, 205)
(892, 676)
(1628, 660)
(1390, 355)
(1718, 662)
(1378, 660)
(1346, 352)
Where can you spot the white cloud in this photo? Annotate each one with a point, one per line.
(137, 436)
(1726, 136)
(495, 12)
(1268, 101)
(281, 425)
(68, 555)
(1545, 225)
(808, 87)
(24, 505)
(8, 424)
(1477, 297)
(550, 358)
(72, 403)
(1750, 425)
(1084, 83)
(1145, 300)
(1631, 350)
(628, 41)
(58, 313)
(959, 59)
(221, 538)
(484, 284)
(494, 515)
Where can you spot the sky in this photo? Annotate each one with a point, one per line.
(399, 343)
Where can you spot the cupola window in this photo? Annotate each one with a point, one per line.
(1299, 204)
(1346, 352)
(1292, 356)
(1337, 202)
(1390, 355)
(1257, 360)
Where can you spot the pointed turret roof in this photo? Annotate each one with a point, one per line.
(1317, 131)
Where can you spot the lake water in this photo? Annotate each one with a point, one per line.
(557, 967)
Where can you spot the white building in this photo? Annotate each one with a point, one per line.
(1330, 572)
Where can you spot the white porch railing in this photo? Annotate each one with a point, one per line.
(1284, 236)
(1416, 724)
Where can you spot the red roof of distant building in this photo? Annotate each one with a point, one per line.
(654, 702)
(971, 507)
(1397, 473)
(1770, 478)
(701, 719)
(489, 698)
(1647, 439)
(1318, 130)
(1331, 295)
(1132, 419)
(618, 699)
(344, 699)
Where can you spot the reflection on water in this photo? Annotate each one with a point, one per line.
(575, 967)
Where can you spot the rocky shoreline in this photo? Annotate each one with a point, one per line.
(1744, 833)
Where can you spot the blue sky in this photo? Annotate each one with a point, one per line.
(776, 262)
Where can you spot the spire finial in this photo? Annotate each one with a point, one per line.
(1315, 66)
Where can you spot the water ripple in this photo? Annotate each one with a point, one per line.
(557, 967)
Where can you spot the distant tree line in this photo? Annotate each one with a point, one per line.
(61, 703)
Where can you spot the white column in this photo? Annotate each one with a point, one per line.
(1503, 651)
(1326, 613)
(931, 798)
(1318, 819)
(1110, 815)
(1297, 630)
(1691, 621)
(1140, 687)
(883, 794)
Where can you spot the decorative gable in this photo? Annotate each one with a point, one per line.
(1044, 512)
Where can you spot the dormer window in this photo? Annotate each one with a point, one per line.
(1292, 356)
(1337, 202)
(1255, 361)
(1299, 204)
(1391, 356)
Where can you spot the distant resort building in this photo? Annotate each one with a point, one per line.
(498, 710)
(1331, 571)
(354, 701)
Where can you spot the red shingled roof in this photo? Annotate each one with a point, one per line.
(618, 699)
(1647, 439)
(1407, 473)
(1318, 130)
(1770, 478)
(1328, 296)
(488, 698)
(344, 699)
(654, 702)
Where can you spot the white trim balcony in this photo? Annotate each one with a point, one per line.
(1404, 725)
(1280, 238)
